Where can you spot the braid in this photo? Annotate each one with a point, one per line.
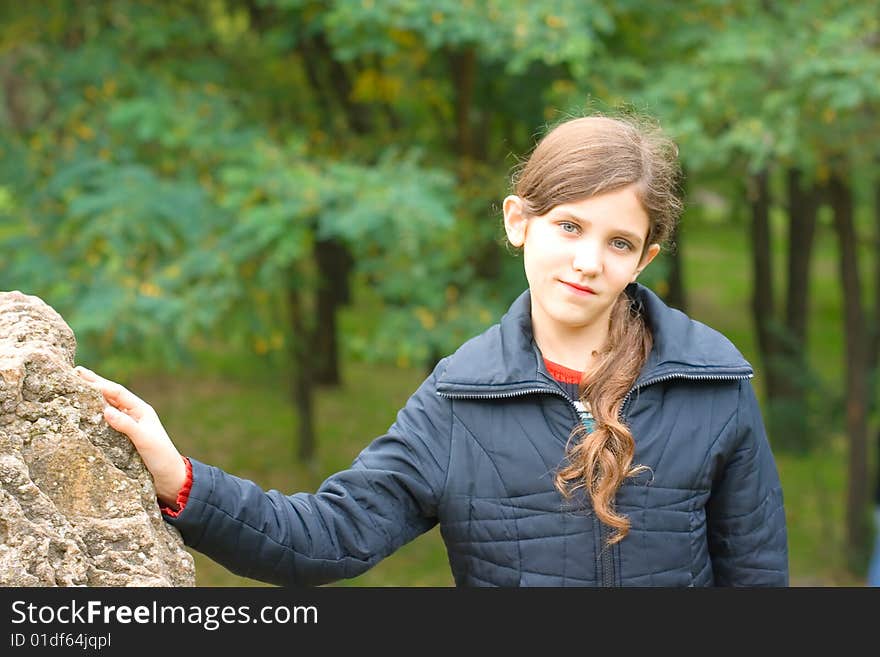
(600, 461)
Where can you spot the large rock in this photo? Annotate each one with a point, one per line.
(77, 505)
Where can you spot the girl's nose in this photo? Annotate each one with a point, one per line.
(588, 258)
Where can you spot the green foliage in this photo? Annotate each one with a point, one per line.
(168, 168)
(794, 84)
(152, 206)
(513, 34)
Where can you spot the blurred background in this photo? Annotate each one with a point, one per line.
(270, 218)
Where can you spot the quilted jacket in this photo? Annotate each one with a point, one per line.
(475, 448)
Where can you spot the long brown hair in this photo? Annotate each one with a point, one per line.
(577, 159)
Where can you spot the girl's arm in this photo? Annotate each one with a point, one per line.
(748, 540)
(358, 516)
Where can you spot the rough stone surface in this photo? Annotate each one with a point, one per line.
(77, 505)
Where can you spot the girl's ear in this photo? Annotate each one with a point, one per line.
(650, 254)
(514, 221)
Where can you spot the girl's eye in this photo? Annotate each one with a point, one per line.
(621, 244)
(568, 227)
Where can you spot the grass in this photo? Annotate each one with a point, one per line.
(234, 413)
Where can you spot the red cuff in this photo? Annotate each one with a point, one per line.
(182, 495)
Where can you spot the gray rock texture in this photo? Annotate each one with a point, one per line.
(77, 505)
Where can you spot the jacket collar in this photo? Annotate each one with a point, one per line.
(505, 359)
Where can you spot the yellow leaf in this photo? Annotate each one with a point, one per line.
(260, 345)
(277, 340)
(84, 132)
(403, 37)
(247, 270)
(149, 289)
(372, 85)
(426, 318)
(562, 86)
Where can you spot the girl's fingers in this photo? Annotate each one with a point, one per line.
(124, 399)
(120, 421)
(116, 394)
(88, 375)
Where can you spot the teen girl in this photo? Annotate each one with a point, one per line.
(593, 437)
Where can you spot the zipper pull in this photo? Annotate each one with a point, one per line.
(585, 414)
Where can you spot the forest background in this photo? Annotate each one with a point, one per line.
(270, 218)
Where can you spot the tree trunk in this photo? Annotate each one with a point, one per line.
(462, 65)
(856, 389)
(310, 66)
(874, 354)
(334, 266)
(803, 208)
(676, 295)
(14, 94)
(301, 375)
(874, 351)
(762, 284)
(332, 86)
(789, 414)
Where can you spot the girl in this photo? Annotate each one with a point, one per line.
(593, 437)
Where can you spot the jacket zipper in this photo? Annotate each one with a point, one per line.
(605, 560)
(681, 375)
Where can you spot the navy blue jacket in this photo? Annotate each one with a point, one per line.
(475, 449)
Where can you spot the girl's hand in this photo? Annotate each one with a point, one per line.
(131, 415)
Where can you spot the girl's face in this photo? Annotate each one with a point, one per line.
(580, 256)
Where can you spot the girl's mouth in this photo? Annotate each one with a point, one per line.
(579, 289)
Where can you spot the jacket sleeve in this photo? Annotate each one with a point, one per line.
(357, 517)
(747, 533)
